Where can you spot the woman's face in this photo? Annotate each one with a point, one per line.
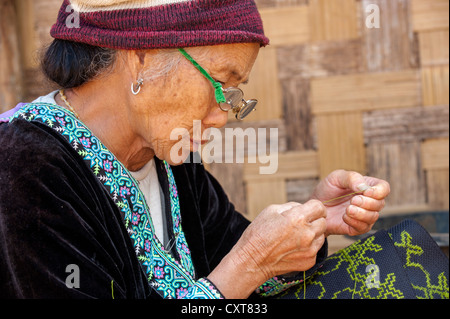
(167, 108)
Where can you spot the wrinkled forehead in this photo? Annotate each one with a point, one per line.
(235, 60)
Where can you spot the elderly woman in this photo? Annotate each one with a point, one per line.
(93, 205)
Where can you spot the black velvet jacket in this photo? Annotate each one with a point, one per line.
(54, 213)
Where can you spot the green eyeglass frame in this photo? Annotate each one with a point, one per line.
(231, 99)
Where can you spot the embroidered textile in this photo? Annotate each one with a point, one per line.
(172, 276)
(402, 263)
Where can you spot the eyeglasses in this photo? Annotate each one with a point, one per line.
(231, 99)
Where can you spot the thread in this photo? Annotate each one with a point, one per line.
(341, 197)
(304, 285)
(304, 273)
(112, 289)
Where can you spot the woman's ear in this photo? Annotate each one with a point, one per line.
(140, 60)
(141, 55)
(134, 62)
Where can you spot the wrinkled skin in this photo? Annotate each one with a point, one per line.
(283, 238)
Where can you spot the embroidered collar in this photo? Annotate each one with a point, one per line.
(172, 276)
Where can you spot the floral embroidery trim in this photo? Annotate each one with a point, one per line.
(172, 278)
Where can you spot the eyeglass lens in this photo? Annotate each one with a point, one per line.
(236, 102)
(248, 108)
(234, 97)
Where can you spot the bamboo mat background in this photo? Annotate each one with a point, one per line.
(342, 95)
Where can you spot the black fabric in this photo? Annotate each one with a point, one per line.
(401, 263)
(54, 213)
(211, 224)
(425, 265)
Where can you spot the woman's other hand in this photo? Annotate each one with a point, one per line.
(356, 214)
(282, 239)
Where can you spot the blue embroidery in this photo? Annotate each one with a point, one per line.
(171, 277)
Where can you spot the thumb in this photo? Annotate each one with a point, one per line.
(351, 180)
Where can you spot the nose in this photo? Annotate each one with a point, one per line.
(216, 117)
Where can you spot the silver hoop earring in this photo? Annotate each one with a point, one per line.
(140, 82)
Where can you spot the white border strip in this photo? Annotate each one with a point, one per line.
(85, 6)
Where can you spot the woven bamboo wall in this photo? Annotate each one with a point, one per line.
(347, 96)
(24, 31)
(374, 100)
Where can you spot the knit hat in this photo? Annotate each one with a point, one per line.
(151, 24)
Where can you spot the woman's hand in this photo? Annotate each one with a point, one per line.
(352, 215)
(286, 238)
(282, 239)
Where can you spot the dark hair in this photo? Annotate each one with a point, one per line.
(71, 64)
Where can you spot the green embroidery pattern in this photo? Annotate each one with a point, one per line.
(171, 275)
(355, 260)
(430, 291)
(383, 266)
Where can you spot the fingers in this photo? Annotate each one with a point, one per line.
(368, 203)
(361, 220)
(286, 207)
(349, 180)
(372, 187)
(364, 210)
(360, 225)
(380, 189)
(308, 213)
(310, 219)
(363, 213)
(287, 237)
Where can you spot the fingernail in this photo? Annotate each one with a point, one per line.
(363, 187)
(353, 210)
(357, 201)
